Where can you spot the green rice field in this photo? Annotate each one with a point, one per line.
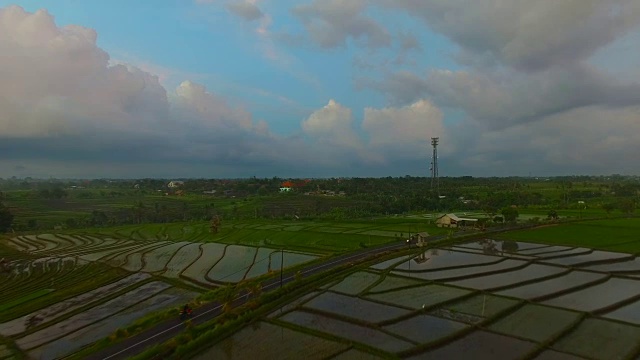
(559, 302)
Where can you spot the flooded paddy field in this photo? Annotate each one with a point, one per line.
(480, 301)
(60, 293)
(209, 264)
(272, 342)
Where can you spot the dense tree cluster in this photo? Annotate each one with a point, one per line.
(6, 218)
(154, 201)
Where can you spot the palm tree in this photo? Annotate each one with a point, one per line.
(255, 289)
(227, 298)
(138, 208)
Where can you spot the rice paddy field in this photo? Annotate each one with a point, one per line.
(610, 234)
(202, 264)
(488, 299)
(53, 301)
(301, 236)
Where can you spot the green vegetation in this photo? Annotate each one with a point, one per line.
(45, 204)
(6, 218)
(323, 237)
(320, 216)
(610, 234)
(27, 298)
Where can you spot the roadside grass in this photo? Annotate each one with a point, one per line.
(609, 234)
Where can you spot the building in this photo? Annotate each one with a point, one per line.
(420, 238)
(453, 221)
(285, 189)
(175, 184)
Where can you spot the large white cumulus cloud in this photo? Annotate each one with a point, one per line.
(528, 93)
(65, 109)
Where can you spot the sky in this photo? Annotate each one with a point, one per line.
(318, 88)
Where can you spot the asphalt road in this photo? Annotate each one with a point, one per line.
(171, 328)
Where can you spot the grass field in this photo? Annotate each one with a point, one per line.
(316, 236)
(621, 235)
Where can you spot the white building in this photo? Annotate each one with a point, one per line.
(175, 184)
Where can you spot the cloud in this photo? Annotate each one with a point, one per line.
(527, 35)
(246, 9)
(589, 140)
(330, 23)
(403, 133)
(505, 98)
(98, 118)
(403, 127)
(333, 124)
(76, 107)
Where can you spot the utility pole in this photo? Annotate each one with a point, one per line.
(281, 265)
(435, 182)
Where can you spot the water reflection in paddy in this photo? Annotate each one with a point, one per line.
(591, 257)
(530, 272)
(599, 296)
(550, 286)
(434, 259)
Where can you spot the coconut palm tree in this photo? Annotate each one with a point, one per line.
(227, 298)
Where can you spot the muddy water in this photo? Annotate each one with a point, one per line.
(211, 253)
(556, 355)
(414, 328)
(573, 279)
(52, 312)
(393, 282)
(625, 266)
(544, 250)
(387, 263)
(535, 322)
(600, 339)
(481, 345)
(290, 259)
(629, 313)
(586, 258)
(415, 298)
(270, 342)
(462, 272)
(598, 296)
(157, 259)
(476, 308)
(356, 283)
(181, 260)
(90, 316)
(236, 262)
(262, 263)
(348, 331)
(354, 307)
(120, 259)
(531, 272)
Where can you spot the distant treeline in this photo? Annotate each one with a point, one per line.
(154, 201)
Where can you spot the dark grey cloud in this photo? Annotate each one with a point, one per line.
(527, 35)
(506, 98)
(330, 23)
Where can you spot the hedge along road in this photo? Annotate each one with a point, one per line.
(171, 328)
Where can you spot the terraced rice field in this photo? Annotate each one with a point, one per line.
(476, 301)
(64, 292)
(207, 265)
(53, 302)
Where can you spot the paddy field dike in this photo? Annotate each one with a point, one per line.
(63, 291)
(491, 298)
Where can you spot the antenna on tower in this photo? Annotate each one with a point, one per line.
(435, 183)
